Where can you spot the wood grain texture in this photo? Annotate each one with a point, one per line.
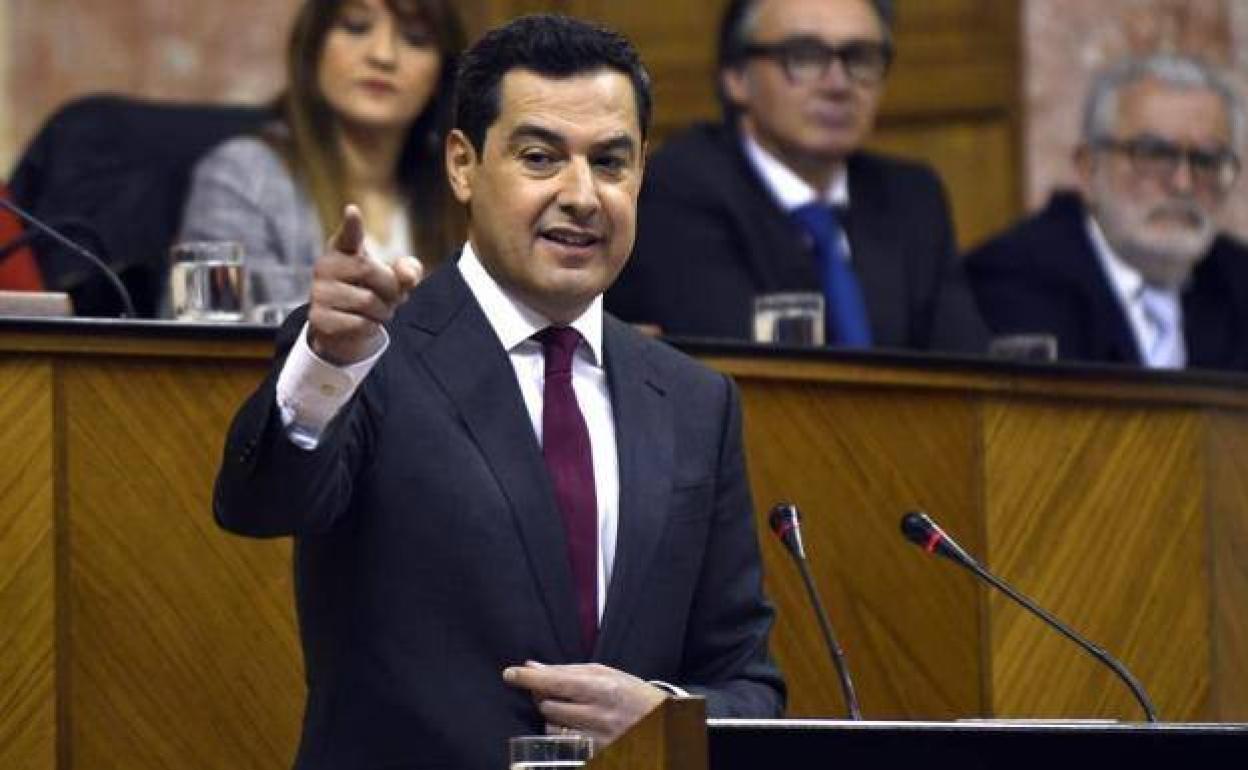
(28, 699)
(854, 461)
(186, 651)
(671, 737)
(1228, 544)
(1097, 513)
(975, 157)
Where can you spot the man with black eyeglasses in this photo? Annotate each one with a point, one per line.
(781, 198)
(1131, 268)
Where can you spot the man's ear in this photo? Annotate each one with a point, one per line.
(461, 165)
(735, 84)
(1085, 166)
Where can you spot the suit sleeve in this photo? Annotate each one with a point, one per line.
(725, 657)
(266, 486)
(676, 275)
(226, 202)
(1016, 299)
(956, 324)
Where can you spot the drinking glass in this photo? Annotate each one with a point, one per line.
(207, 281)
(549, 752)
(1024, 347)
(273, 291)
(789, 318)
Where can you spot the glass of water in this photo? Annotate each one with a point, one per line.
(273, 291)
(549, 752)
(207, 281)
(789, 318)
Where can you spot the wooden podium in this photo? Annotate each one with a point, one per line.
(134, 634)
(677, 736)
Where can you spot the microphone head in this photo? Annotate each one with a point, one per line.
(786, 522)
(919, 529)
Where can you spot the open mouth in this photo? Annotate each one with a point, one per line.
(576, 239)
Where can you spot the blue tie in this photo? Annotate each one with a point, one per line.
(1163, 313)
(846, 316)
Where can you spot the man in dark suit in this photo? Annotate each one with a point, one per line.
(1133, 270)
(720, 220)
(512, 513)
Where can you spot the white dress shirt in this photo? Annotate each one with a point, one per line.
(790, 191)
(311, 391)
(1129, 287)
(399, 244)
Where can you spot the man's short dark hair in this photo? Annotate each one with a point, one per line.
(546, 44)
(736, 28)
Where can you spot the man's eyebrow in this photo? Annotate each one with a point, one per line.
(531, 131)
(623, 142)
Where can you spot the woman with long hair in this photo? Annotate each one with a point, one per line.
(362, 120)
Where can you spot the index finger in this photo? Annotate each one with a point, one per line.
(349, 237)
(561, 682)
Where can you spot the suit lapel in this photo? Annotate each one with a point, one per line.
(464, 356)
(645, 446)
(1110, 337)
(876, 252)
(781, 260)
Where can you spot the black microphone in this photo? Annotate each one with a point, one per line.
(919, 529)
(95, 261)
(786, 522)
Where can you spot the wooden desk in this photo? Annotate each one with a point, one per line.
(134, 634)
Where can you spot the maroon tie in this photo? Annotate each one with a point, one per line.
(565, 446)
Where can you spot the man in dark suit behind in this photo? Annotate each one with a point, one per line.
(1133, 270)
(512, 513)
(800, 81)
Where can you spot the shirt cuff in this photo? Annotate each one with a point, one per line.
(311, 391)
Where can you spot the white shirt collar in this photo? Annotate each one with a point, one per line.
(512, 320)
(789, 189)
(1125, 280)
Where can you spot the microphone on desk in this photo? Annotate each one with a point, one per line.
(786, 523)
(919, 529)
(95, 261)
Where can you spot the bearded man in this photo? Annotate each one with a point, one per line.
(1132, 268)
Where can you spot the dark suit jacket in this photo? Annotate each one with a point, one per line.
(711, 236)
(1043, 276)
(430, 554)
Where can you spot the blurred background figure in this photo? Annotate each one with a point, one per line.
(362, 119)
(781, 198)
(1131, 268)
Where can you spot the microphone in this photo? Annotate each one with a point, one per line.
(95, 261)
(919, 529)
(785, 521)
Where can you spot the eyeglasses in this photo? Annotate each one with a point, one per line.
(806, 60)
(1215, 169)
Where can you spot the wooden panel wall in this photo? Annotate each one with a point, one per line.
(28, 644)
(184, 647)
(952, 100)
(1228, 545)
(851, 463)
(1098, 513)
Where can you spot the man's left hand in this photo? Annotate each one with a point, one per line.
(590, 698)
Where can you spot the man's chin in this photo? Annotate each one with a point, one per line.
(1166, 257)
